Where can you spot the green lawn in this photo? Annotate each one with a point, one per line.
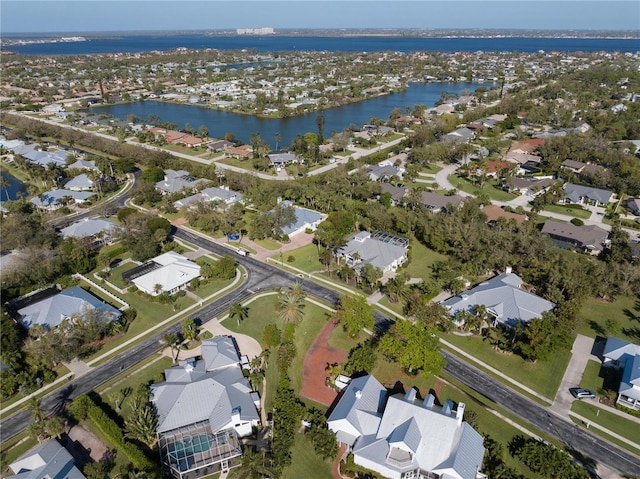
(494, 193)
(430, 168)
(305, 462)
(268, 243)
(344, 153)
(599, 378)
(262, 312)
(11, 450)
(339, 339)
(543, 377)
(421, 260)
(624, 427)
(245, 164)
(212, 286)
(563, 210)
(396, 307)
(306, 258)
(115, 275)
(624, 310)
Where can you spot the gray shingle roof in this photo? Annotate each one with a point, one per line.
(587, 236)
(576, 193)
(435, 202)
(502, 297)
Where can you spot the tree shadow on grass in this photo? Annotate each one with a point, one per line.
(597, 328)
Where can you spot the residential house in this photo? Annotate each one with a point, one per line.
(574, 166)
(56, 198)
(384, 251)
(588, 238)
(461, 135)
(529, 186)
(306, 219)
(176, 180)
(79, 183)
(242, 152)
(45, 158)
(48, 460)
(222, 194)
(494, 213)
(633, 205)
(626, 356)
(440, 203)
(504, 299)
(586, 195)
(83, 165)
(402, 436)
(397, 193)
(280, 160)
(166, 273)
(384, 173)
(90, 228)
(51, 306)
(220, 145)
(204, 407)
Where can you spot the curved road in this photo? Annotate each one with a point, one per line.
(261, 276)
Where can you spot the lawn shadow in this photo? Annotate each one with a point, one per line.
(597, 328)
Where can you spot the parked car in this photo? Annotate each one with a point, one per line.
(580, 393)
(242, 252)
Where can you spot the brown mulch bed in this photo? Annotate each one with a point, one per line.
(314, 373)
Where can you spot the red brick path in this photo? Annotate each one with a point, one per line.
(314, 367)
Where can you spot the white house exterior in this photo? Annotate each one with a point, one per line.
(402, 437)
(204, 407)
(172, 271)
(386, 252)
(626, 356)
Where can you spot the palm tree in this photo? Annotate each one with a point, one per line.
(172, 341)
(297, 289)
(4, 185)
(291, 307)
(239, 312)
(252, 466)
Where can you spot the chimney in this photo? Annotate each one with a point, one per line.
(508, 270)
(410, 395)
(448, 407)
(429, 401)
(460, 412)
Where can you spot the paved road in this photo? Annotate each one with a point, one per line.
(574, 436)
(261, 276)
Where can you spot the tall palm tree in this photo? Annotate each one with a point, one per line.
(172, 341)
(4, 185)
(239, 312)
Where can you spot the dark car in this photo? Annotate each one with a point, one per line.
(580, 393)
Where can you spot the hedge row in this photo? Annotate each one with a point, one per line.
(84, 406)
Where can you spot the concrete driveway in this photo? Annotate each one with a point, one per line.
(580, 354)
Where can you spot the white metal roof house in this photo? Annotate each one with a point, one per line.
(222, 194)
(49, 460)
(383, 251)
(53, 199)
(204, 407)
(169, 272)
(404, 437)
(504, 299)
(621, 354)
(175, 180)
(90, 227)
(305, 219)
(79, 183)
(52, 309)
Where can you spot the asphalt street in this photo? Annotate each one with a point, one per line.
(260, 277)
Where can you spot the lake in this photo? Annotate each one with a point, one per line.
(336, 119)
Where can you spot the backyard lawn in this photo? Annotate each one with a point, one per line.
(421, 260)
(599, 378)
(305, 462)
(624, 311)
(543, 377)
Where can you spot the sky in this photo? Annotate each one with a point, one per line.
(18, 16)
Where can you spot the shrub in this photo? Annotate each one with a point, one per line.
(577, 222)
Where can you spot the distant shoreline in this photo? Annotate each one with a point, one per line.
(46, 37)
